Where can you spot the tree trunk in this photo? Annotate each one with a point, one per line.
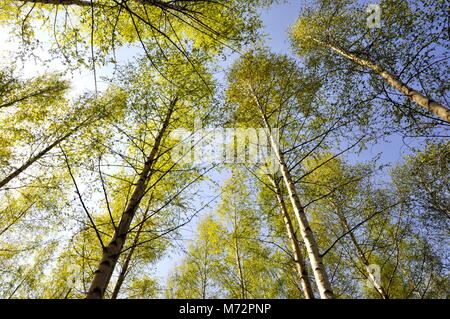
(239, 266)
(298, 256)
(320, 274)
(204, 271)
(111, 252)
(238, 259)
(422, 100)
(126, 264)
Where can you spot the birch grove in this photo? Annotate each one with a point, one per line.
(192, 150)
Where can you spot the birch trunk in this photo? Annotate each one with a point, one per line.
(112, 252)
(320, 274)
(438, 109)
(204, 275)
(298, 256)
(239, 266)
(238, 259)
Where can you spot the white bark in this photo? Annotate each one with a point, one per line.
(438, 109)
(298, 255)
(320, 274)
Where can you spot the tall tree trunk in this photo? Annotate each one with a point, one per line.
(238, 259)
(298, 256)
(126, 264)
(422, 100)
(362, 256)
(112, 252)
(320, 274)
(204, 272)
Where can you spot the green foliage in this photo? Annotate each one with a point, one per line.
(385, 233)
(273, 82)
(229, 257)
(87, 153)
(421, 181)
(110, 24)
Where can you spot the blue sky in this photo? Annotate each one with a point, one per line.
(277, 20)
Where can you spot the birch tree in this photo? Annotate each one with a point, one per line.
(196, 276)
(229, 256)
(299, 260)
(172, 103)
(369, 231)
(402, 59)
(267, 85)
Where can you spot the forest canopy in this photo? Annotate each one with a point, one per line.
(207, 162)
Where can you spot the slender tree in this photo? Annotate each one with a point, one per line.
(265, 84)
(298, 254)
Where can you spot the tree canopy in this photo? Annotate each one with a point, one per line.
(318, 172)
